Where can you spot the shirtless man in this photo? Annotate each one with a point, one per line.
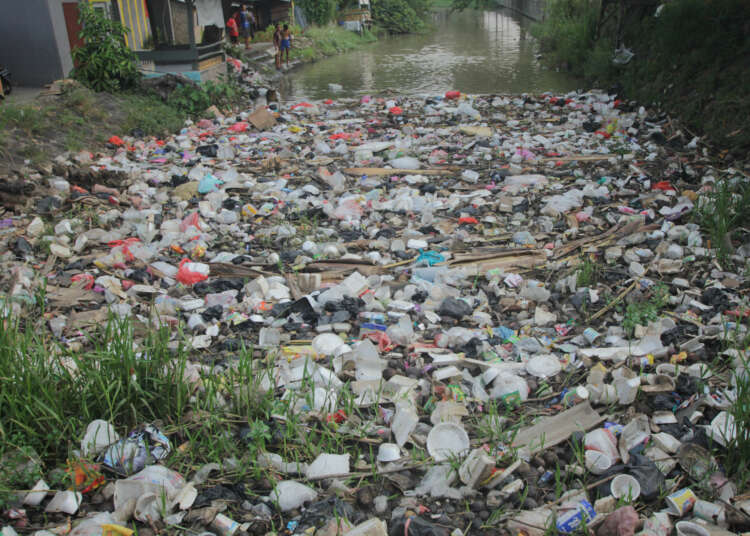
(277, 37)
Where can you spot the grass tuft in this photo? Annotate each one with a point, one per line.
(50, 394)
(721, 212)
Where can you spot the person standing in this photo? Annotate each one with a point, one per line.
(234, 31)
(246, 25)
(277, 37)
(286, 42)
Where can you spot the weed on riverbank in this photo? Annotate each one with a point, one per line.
(320, 42)
(692, 59)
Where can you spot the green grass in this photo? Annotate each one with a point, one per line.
(50, 393)
(721, 212)
(328, 41)
(151, 115)
(587, 272)
(643, 312)
(738, 451)
(692, 60)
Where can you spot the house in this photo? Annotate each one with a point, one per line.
(34, 41)
(267, 12)
(168, 36)
(184, 36)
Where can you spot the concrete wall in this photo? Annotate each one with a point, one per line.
(534, 9)
(34, 41)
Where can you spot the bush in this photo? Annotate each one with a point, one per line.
(194, 99)
(319, 12)
(568, 32)
(151, 115)
(396, 16)
(104, 62)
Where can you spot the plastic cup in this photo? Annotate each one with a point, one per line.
(447, 439)
(681, 501)
(688, 528)
(711, 512)
(597, 462)
(626, 487)
(627, 389)
(389, 452)
(601, 440)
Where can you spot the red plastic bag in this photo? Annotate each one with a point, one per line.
(240, 126)
(84, 277)
(116, 141)
(191, 273)
(396, 110)
(451, 95)
(664, 186)
(301, 105)
(468, 219)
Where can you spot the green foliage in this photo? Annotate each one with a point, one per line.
(420, 7)
(20, 469)
(319, 12)
(235, 51)
(720, 212)
(460, 5)
(104, 62)
(265, 35)
(151, 115)
(194, 99)
(49, 395)
(643, 312)
(692, 59)
(587, 272)
(189, 99)
(397, 16)
(568, 32)
(330, 40)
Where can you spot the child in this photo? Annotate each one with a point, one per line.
(277, 36)
(286, 42)
(234, 31)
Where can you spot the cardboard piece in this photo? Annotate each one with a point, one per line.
(551, 431)
(262, 119)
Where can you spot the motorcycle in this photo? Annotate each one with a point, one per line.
(5, 83)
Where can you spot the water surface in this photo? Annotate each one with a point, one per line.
(472, 52)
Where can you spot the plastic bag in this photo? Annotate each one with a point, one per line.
(191, 273)
(130, 455)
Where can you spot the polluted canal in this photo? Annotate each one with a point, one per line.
(472, 51)
(372, 315)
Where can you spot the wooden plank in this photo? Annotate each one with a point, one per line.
(396, 171)
(583, 158)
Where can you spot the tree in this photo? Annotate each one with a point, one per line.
(396, 16)
(319, 12)
(104, 62)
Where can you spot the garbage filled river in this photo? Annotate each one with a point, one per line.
(472, 51)
(429, 315)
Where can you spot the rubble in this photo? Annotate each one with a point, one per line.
(484, 312)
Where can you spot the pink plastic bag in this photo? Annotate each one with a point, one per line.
(191, 220)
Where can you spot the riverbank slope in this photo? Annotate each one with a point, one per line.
(692, 60)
